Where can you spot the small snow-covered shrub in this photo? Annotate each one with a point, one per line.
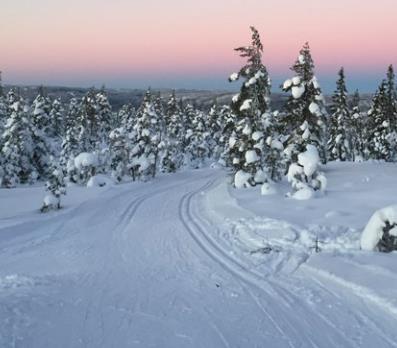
(381, 231)
(241, 179)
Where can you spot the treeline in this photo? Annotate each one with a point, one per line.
(48, 140)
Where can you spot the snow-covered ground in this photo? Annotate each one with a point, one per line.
(187, 261)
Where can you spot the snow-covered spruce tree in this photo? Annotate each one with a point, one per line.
(89, 123)
(17, 149)
(172, 150)
(145, 142)
(247, 138)
(379, 129)
(214, 126)
(273, 159)
(57, 119)
(359, 129)
(391, 98)
(55, 186)
(340, 142)
(3, 109)
(118, 140)
(228, 123)
(391, 111)
(305, 111)
(197, 149)
(41, 130)
(126, 117)
(305, 117)
(104, 114)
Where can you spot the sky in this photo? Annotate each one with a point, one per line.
(189, 43)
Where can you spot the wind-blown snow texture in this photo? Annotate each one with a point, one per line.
(188, 261)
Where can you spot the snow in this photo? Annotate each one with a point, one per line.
(188, 261)
(241, 179)
(296, 80)
(297, 91)
(246, 105)
(309, 160)
(373, 231)
(301, 59)
(257, 135)
(268, 189)
(287, 84)
(50, 200)
(233, 77)
(85, 159)
(304, 193)
(99, 180)
(251, 156)
(314, 108)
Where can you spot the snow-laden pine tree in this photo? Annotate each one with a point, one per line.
(126, 117)
(246, 144)
(3, 109)
(273, 159)
(89, 123)
(340, 141)
(172, 144)
(55, 186)
(104, 115)
(228, 123)
(379, 126)
(119, 153)
(57, 119)
(391, 97)
(41, 130)
(145, 142)
(359, 129)
(305, 117)
(214, 126)
(17, 149)
(197, 145)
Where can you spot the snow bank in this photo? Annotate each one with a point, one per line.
(373, 232)
(99, 181)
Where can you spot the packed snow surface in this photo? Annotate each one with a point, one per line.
(186, 260)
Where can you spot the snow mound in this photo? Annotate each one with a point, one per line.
(251, 156)
(374, 230)
(241, 179)
(50, 200)
(268, 189)
(99, 181)
(304, 193)
(85, 159)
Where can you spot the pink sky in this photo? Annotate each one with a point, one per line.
(72, 42)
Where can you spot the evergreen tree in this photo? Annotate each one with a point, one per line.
(305, 111)
(143, 154)
(214, 125)
(173, 140)
(340, 146)
(379, 125)
(305, 114)
(17, 150)
(104, 115)
(57, 118)
(56, 187)
(247, 138)
(89, 123)
(197, 149)
(391, 98)
(118, 140)
(359, 129)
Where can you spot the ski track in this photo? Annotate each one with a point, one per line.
(133, 272)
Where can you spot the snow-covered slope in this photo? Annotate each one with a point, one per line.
(186, 261)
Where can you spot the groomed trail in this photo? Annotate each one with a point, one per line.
(145, 266)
